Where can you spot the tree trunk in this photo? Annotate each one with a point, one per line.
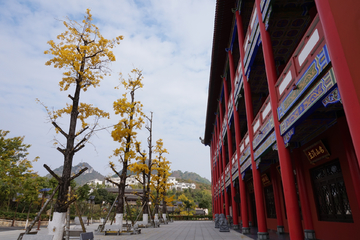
(60, 205)
(164, 209)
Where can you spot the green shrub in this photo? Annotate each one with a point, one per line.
(21, 216)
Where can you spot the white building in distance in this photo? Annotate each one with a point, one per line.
(131, 180)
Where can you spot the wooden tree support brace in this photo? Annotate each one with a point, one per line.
(107, 217)
(28, 229)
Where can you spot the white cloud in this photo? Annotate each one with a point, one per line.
(169, 40)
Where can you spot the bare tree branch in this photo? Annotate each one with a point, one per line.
(52, 173)
(112, 167)
(60, 130)
(69, 202)
(94, 54)
(84, 129)
(79, 148)
(117, 184)
(61, 150)
(78, 174)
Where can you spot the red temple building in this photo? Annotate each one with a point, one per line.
(283, 117)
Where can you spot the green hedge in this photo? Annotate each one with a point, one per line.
(21, 216)
(191, 218)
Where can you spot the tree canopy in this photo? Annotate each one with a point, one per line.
(15, 168)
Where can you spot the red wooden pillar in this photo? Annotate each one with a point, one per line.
(258, 190)
(304, 197)
(244, 217)
(342, 17)
(259, 195)
(226, 201)
(276, 189)
(223, 118)
(212, 176)
(218, 167)
(230, 151)
(221, 198)
(242, 187)
(350, 156)
(287, 174)
(250, 210)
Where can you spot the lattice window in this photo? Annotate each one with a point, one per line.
(270, 202)
(330, 193)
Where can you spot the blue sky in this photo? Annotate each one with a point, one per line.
(170, 41)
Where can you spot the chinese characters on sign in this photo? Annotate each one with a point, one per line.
(265, 180)
(316, 152)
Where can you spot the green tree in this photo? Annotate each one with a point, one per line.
(15, 168)
(83, 53)
(83, 192)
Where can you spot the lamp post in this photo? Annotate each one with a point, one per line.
(43, 191)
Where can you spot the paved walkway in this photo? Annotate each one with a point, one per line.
(178, 230)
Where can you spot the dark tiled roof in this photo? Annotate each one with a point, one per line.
(222, 28)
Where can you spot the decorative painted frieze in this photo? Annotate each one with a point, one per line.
(264, 131)
(235, 175)
(332, 97)
(262, 4)
(266, 12)
(238, 84)
(230, 109)
(251, 40)
(245, 155)
(227, 176)
(288, 135)
(224, 127)
(274, 147)
(265, 145)
(245, 165)
(317, 92)
(311, 73)
(255, 42)
(234, 167)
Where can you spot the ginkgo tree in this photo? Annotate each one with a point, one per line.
(142, 170)
(125, 132)
(187, 208)
(83, 53)
(159, 179)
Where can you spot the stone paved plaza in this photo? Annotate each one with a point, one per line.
(179, 230)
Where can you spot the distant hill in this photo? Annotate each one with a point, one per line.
(88, 175)
(91, 174)
(189, 176)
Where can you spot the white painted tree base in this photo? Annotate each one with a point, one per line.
(156, 217)
(145, 218)
(56, 226)
(119, 220)
(164, 216)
